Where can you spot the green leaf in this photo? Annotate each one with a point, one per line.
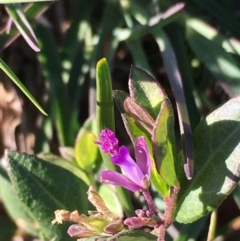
(221, 64)
(86, 151)
(217, 170)
(30, 11)
(59, 101)
(43, 188)
(220, 10)
(18, 17)
(145, 91)
(164, 144)
(111, 200)
(192, 231)
(105, 111)
(13, 205)
(68, 165)
(171, 66)
(155, 23)
(19, 84)
(93, 158)
(230, 44)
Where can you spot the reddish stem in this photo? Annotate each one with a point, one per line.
(170, 207)
(149, 201)
(168, 216)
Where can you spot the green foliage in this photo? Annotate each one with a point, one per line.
(18, 17)
(196, 47)
(41, 188)
(15, 79)
(164, 144)
(216, 148)
(14, 206)
(144, 110)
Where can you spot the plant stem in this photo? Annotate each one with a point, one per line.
(170, 207)
(149, 201)
(161, 232)
(212, 226)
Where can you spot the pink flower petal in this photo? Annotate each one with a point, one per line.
(142, 156)
(115, 178)
(128, 165)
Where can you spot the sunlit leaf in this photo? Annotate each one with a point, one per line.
(86, 151)
(217, 151)
(18, 17)
(171, 66)
(164, 144)
(20, 85)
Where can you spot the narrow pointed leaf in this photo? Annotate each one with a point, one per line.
(31, 11)
(20, 85)
(43, 188)
(217, 151)
(164, 146)
(171, 66)
(18, 17)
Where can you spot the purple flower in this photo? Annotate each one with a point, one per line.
(135, 174)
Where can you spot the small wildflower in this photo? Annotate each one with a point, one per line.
(136, 174)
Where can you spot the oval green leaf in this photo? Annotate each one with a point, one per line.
(86, 151)
(43, 188)
(217, 152)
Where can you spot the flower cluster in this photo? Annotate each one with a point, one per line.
(99, 223)
(135, 175)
